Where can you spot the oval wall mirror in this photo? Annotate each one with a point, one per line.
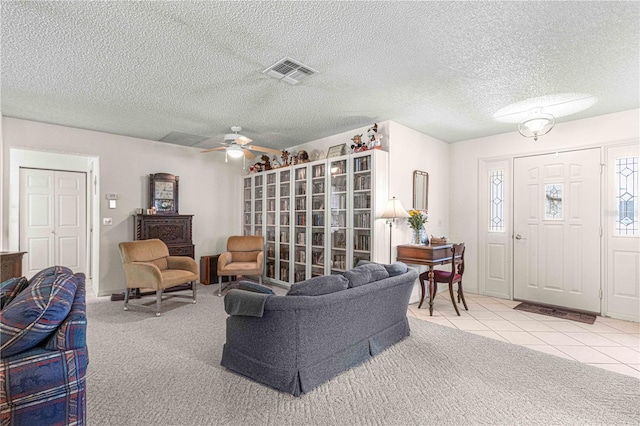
(420, 190)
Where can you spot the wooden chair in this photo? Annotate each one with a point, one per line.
(148, 266)
(453, 276)
(244, 256)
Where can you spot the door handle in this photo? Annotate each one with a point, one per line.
(519, 237)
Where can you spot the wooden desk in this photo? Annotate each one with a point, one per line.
(430, 256)
(11, 264)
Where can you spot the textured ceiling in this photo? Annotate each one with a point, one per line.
(146, 69)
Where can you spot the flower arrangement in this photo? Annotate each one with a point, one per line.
(417, 219)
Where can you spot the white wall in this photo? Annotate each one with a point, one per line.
(410, 150)
(209, 188)
(465, 158)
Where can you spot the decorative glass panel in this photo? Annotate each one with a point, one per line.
(496, 201)
(553, 201)
(626, 196)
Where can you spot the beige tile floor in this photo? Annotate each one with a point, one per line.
(608, 343)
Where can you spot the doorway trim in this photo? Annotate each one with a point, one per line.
(482, 203)
(20, 158)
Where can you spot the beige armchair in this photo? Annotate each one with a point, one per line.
(244, 256)
(148, 267)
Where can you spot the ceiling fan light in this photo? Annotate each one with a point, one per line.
(235, 152)
(536, 124)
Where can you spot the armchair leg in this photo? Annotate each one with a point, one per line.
(193, 287)
(219, 286)
(158, 303)
(126, 299)
(260, 279)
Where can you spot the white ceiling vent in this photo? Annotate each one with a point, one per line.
(289, 71)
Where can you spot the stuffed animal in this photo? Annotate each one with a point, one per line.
(285, 158)
(358, 145)
(267, 162)
(374, 137)
(303, 157)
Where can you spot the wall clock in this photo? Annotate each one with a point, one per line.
(163, 193)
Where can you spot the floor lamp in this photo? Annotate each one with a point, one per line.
(393, 211)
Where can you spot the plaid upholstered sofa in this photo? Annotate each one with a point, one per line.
(43, 352)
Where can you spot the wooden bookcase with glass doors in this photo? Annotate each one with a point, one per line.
(318, 218)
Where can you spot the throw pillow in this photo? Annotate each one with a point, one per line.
(10, 288)
(36, 312)
(317, 286)
(396, 268)
(366, 273)
(51, 270)
(254, 287)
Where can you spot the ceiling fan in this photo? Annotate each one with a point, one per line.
(236, 145)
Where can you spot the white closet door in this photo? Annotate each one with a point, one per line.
(52, 219)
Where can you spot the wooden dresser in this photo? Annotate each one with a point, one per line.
(174, 230)
(11, 262)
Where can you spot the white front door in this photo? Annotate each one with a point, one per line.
(52, 219)
(557, 229)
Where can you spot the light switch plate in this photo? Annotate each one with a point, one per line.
(107, 221)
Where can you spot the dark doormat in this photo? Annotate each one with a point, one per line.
(557, 312)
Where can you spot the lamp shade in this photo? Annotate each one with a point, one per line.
(394, 210)
(536, 124)
(235, 151)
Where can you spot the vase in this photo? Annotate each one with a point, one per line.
(419, 236)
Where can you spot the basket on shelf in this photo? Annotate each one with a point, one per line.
(436, 240)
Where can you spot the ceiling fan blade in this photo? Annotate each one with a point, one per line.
(242, 140)
(213, 149)
(263, 149)
(248, 154)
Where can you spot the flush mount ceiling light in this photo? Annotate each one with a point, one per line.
(538, 123)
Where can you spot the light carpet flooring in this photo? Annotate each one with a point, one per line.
(608, 343)
(146, 370)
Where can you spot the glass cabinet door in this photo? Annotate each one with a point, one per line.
(318, 211)
(301, 217)
(258, 202)
(338, 200)
(270, 226)
(246, 209)
(362, 209)
(284, 225)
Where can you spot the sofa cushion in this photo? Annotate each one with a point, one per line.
(254, 287)
(43, 387)
(365, 274)
(318, 286)
(36, 312)
(10, 288)
(396, 268)
(72, 332)
(51, 270)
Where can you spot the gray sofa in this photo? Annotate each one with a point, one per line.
(295, 343)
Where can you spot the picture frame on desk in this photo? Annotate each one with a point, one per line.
(336, 151)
